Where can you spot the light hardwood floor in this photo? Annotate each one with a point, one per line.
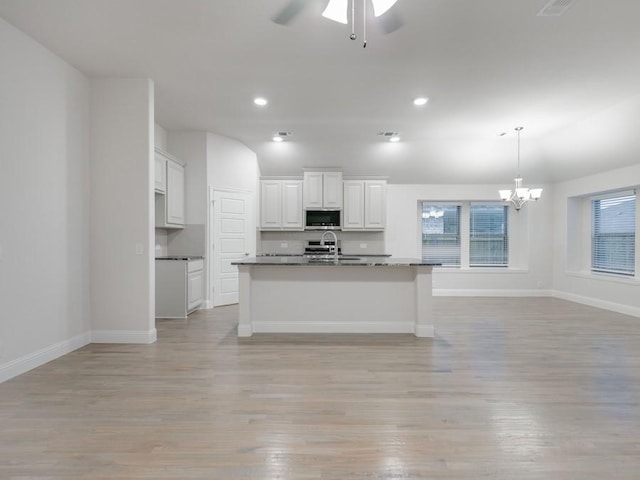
(532, 388)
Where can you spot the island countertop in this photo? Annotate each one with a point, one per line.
(344, 261)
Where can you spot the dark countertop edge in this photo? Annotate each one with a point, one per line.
(302, 262)
(181, 257)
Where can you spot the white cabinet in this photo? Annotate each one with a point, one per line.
(179, 286)
(353, 212)
(271, 204)
(175, 193)
(160, 173)
(322, 190)
(364, 205)
(169, 187)
(281, 205)
(375, 204)
(292, 218)
(195, 284)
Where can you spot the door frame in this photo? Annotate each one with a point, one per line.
(209, 233)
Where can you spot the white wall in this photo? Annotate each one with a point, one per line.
(576, 283)
(44, 205)
(530, 246)
(231, 164)
(160, 135)
(122, 211)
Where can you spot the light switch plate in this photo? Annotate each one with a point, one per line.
(284, 245)
(363, 245)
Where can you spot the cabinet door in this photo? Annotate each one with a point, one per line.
(353, 213)
(270, 204)
(292, 205)
(175, 193)
(195, 289)
(160, 174)
(375, 205)
(313, 190)
(332, 190)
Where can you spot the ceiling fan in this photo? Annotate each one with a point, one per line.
(338, 11)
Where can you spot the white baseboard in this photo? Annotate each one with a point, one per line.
(33, 360)
(328, 327)
(451, 292)
(594, 302)
(124, 336)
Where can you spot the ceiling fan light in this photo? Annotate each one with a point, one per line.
(381, 6)
(337, 11)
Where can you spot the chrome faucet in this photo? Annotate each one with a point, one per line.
(335, 242)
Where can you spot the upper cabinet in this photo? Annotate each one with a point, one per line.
(281, 205)
(322, 190)
(365, 205)
(175, 193)
(160, 184)
(169, 187)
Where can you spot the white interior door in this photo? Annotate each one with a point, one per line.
(231, 242)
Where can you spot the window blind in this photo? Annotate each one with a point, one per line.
(488, 240)
(614, 234)
(441, 234)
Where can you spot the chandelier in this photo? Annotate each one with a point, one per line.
(520, 195)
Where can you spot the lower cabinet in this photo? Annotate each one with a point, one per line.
(179, 286)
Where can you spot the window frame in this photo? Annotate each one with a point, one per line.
(465, 235)
(595, 220)
(504, 235)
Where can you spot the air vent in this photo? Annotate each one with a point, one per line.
(555, 8)
(388, 134)
(282, 134)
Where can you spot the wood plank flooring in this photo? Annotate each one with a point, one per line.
(531, 388)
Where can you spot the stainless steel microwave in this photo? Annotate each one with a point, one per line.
(322, 219)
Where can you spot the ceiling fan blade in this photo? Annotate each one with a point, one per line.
(390, 21)
(290, 11)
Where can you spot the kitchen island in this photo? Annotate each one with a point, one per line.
(298, 294)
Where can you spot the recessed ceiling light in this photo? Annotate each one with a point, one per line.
(261, 102)
(278, 138)
(395, 138)
(420, 101)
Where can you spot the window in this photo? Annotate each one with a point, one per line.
(613, 235)
(488, 240)
(441, 234)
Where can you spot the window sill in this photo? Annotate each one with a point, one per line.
(603, 277)
(482, 270)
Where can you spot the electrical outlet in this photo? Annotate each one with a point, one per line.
(2, 352)
(363, 245)
(284, 245)
(139, 248)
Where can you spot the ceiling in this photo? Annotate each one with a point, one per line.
(487, 66)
